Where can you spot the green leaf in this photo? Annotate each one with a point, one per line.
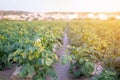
(24, 55)
(87, 68)
(56, 57)
(77, 73)
(52, 73)
(31, 69)
(81, 60)
(43, 61)
(23, 73)
(30, 57)
(64, 59)
(37, 77)
(48, 61)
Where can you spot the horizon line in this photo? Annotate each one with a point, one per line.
(63, 11)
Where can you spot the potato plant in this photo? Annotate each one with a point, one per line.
(35, 56)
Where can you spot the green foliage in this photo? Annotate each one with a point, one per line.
(96, 41)
(87, 68)
(35, 55)
(106, 75)
(75, 70)
(31, 43)
(65, 59)
(4, 51)
(83, 64)
(79, 69)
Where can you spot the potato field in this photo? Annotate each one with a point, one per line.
(31, 45)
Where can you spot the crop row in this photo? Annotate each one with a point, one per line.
(31, 44)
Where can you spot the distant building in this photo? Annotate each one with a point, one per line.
(91, 16)
(1, 17)
(23, 17)
(73, 16)
(117, 17)
(83, 16)
(12, 17)
(102, 17)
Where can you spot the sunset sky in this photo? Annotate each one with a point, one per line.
(61, 5)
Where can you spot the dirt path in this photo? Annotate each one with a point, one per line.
(62, 70)
(5, 74)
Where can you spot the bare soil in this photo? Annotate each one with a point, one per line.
(7, 72)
